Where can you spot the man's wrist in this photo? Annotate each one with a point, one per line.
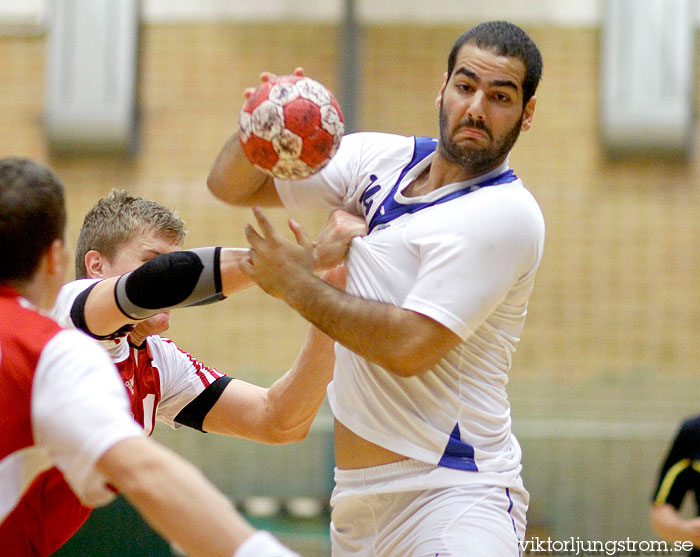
(301, 289)
(263, 544)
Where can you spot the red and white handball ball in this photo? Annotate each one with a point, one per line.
(290, 127)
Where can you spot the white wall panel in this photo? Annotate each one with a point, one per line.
(91, 78)
(564, 12)
(648, 75)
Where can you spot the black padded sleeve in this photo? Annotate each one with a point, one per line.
(169, 281)
(194, 413)
(77, 316)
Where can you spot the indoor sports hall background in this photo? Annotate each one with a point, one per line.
(609, 362)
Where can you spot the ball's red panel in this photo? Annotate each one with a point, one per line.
(317, 148)
(302, 117)
(260, 152)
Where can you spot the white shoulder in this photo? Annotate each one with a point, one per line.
(77, 353)
(79, 410)
(66, 298)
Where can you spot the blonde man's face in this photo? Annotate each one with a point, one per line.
(137, 251)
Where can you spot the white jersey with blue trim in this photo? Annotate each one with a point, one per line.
(464, 255)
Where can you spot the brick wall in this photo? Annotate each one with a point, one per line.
(618, 288)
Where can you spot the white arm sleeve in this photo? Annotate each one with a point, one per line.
(79, 410)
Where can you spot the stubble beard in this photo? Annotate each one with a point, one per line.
(475, 159)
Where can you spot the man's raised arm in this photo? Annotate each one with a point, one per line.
(236, 181)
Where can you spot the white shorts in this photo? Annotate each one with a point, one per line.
(474, 520)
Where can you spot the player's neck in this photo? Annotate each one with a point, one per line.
(40, 289)
(429, 181)
(31, 290)
(419, 186)
(444, 172)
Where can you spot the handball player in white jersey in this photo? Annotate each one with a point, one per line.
(436, 299)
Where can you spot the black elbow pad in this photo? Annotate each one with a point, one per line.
(170, 281)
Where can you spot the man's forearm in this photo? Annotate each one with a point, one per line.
(294, 398)
(235, 180)
(174, 497)
(103, 315)
(671, 526)
(232, 278)
(402, 341)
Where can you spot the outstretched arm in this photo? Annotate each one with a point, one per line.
(103, 314)
(171, 494)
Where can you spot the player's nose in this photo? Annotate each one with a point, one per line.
(475, 110)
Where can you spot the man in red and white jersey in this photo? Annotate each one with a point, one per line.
(131, 271)
(67, 430)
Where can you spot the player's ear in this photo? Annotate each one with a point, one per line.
(57, 258)
(438, 99)
(52, 269)
(95, 264)
(528, 113)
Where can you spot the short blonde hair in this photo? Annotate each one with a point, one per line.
(119, 217)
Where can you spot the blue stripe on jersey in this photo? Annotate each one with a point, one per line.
(458, 454)
(391, 209)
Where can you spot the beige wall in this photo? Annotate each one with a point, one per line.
(610, 352)
(618, 288)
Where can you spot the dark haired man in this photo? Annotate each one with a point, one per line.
(435, 304)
